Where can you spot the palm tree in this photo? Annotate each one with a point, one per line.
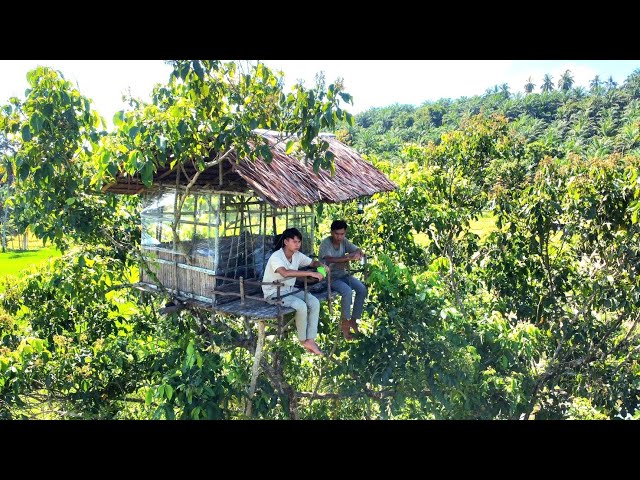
(504, 89)
(628, 137)
(529, 86)
(547, 83)
(566, 81)
(610, 83)
(575, 145)
(492, 90)
(595, 84)
(582, 126)
(599, 148)
(367, 141)
(632, 83)
(607, 126)
(579, 93)
(631, 111)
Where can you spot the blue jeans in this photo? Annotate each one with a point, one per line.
(345, 286)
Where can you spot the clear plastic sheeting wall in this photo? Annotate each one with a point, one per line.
(229, 236)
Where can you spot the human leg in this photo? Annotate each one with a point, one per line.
(301, 314)
(344, 290)
(313, 314)
(306, 320)
(358, 304)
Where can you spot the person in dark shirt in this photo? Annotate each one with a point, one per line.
(336, 251)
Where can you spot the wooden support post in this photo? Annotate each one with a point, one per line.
(279, 299)
(257, 357)
(214, 299)
(241, 291)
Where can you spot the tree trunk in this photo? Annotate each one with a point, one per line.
(256, 367)
(4, 229)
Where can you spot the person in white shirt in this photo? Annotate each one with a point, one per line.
(283, 267)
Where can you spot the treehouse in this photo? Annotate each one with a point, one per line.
(206, 242)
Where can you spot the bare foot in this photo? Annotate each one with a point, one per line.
(311, 346)
(344, 326)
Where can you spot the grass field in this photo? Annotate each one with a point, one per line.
(14, 262)
(482, 227)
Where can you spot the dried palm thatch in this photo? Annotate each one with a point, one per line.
(286, 181)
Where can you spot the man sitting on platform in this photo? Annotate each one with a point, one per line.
(283, 267)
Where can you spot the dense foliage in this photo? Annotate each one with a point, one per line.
(536, 318)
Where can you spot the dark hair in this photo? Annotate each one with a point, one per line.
(278, 242)
(338, 225)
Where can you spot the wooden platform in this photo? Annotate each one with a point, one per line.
(253, 309)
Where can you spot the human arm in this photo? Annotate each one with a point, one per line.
(299, 273)
(316, 264)
(352, 252)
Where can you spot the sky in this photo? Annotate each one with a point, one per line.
(372, 83)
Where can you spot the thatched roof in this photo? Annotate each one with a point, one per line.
(284, 182)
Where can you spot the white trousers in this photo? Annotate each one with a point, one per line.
(306, 314)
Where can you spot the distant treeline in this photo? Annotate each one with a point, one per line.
(592, 122)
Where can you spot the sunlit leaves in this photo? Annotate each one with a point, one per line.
(26, 133)
(57, 139)
(209, 108)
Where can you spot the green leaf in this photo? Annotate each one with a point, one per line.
(289, 148)
(47, 110)
(133, 132)
(118, 118)
(267, 156)
(161, 143)
(197, 67)
(112, 169)
(147, 174)
(349, 119)
(149, 397)
(26, 133)
(24, 171)
(328, 157)
(182, 127)
(70, 200)
(346, 97)
(133, 159)
(168, 391)
(503, 361)
(184, 70)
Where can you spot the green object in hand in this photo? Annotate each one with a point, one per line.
(322, 270)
